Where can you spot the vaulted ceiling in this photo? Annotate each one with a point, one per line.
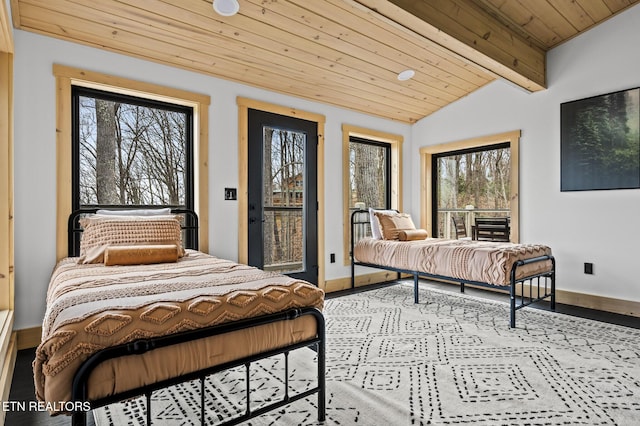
(341, 52)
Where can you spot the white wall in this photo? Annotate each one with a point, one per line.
(35, 164)
(602, 227)
(593, 226)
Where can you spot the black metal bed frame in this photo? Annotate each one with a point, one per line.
(514, 304)
(79, 391)
(80, 382)
(74, 231)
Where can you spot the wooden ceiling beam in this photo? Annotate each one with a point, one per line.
(471, 33)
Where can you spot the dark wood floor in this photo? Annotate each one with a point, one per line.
(22, 388)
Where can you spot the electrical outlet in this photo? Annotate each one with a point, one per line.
(588, 268)
(332, 258)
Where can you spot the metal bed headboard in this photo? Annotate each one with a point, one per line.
(74, 230)
(360, 227)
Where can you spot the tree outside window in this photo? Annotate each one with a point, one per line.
(369, 172)
(472, 183)
(131, 151)
(283, 180)
(369, 177)
(372, 175)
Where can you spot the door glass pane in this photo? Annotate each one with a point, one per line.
(283, 200)
(471, 185)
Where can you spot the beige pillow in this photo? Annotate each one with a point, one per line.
(376, 232)
(145, 254)
(103, 231)
(412, 234)
(392, 224)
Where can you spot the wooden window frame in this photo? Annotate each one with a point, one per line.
(66, 77)
(426, 174)
(396, 142)
(6, 182)
(8, 337)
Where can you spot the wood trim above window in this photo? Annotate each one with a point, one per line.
(67, 77)
(426, 192)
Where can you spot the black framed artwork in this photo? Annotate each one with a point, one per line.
(600, 142)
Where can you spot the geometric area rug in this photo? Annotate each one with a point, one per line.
(449, 360)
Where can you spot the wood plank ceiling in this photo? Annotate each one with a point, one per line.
(341, 52)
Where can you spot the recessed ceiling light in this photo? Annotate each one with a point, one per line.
(406, 75)
(226, 7)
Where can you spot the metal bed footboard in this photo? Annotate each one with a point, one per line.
(548, 278)
(549, 286)
(138, 347)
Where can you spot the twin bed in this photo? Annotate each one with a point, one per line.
(527, 271)
(114, 328)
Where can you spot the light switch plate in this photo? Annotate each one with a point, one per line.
(230, 194)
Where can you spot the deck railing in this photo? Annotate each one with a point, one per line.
(445, 224)
(283, 239)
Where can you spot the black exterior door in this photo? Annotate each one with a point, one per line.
(282, 195)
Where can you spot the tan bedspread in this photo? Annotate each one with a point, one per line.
(481, 261)
(90, 307)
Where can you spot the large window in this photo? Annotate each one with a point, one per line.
(130, 151)
(372, 174)
(369, 173)
(143, 125)
(470, 178)
(469, 184)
